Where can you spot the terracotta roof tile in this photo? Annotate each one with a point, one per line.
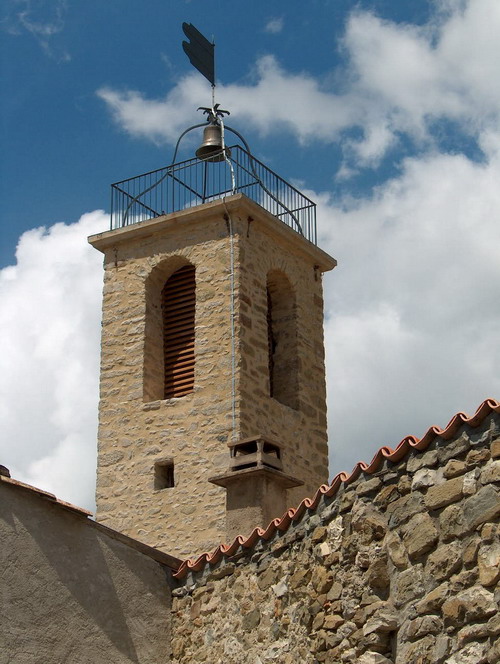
(293, 514)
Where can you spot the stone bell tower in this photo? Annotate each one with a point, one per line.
(212, 416)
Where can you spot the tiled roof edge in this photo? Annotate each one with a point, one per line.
(293, 514)
(45, 494)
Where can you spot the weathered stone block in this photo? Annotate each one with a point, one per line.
(452, 522)
(321, 579)
(453, 448)
(444, 561)
(420, 535)
(454, 468)
(396, 550)
(404, 508)
(473, 653)
(432, 602)
(444, 494)
(471, 604)
(385, 620)
(429, 459)
(491, 473)
(495, 449)
(373, 658)
(409, 585)
(482, 507)
(488, 560)
(423, 478)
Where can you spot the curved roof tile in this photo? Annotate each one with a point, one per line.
(294, 514)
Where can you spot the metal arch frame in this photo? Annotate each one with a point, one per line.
(242, 139)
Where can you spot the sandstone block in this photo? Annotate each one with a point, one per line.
(386, 495)
(495, 449)
(482, 507)
(409, 585)
(423, 478)
(488, 560)
(454, 468)
(429, 459)
(453, 448)
(470, 550)
(423, 625)
(382, 621)
(472, 633)
(396, 550)
(473, 653)
(321, 579)
(432, 602)
(491, 473)
(444, 494)
(420, 535)
(404, 508)
(477, 457)
(421, 651)
(444, 561)
(377, 575)
(373, 658)
(451, 522)
(333, 622)
(471, 604)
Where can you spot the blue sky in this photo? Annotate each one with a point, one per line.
(386, 113)
(60, 147)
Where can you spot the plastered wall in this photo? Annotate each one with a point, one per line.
(72, 593)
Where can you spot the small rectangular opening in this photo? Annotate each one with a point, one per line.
(164, 475)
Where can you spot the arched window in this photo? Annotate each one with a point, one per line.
(178, 298)
(282, 339)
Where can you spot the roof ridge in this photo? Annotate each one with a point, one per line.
(293, 514)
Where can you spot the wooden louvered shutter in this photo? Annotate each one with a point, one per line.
(178, 307)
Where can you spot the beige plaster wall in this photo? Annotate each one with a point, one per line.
(72, 594)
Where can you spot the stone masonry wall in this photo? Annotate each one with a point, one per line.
(402, 565)
(138, 429)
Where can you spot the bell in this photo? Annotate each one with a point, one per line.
(211, 147)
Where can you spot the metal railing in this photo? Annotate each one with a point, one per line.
(192, 182)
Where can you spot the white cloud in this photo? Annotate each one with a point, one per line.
(400, 80)
(49, 322)
(412, 308)
(413, 320)
(43, 19)
(274, 26)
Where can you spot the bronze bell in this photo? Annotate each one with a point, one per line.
(211, 147)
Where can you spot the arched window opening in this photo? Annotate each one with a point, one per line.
(178, 299)
(282, 340)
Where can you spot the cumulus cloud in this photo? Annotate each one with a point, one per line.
(412, 308)
(412, 321)
(49, 326)
(398, 80)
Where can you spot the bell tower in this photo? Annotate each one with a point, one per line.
(212, 415)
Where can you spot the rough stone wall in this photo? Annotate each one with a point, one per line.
(136, 430)
(302, 430)
(72, 593)
(399, 566)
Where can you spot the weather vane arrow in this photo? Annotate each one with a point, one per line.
(200, 51)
